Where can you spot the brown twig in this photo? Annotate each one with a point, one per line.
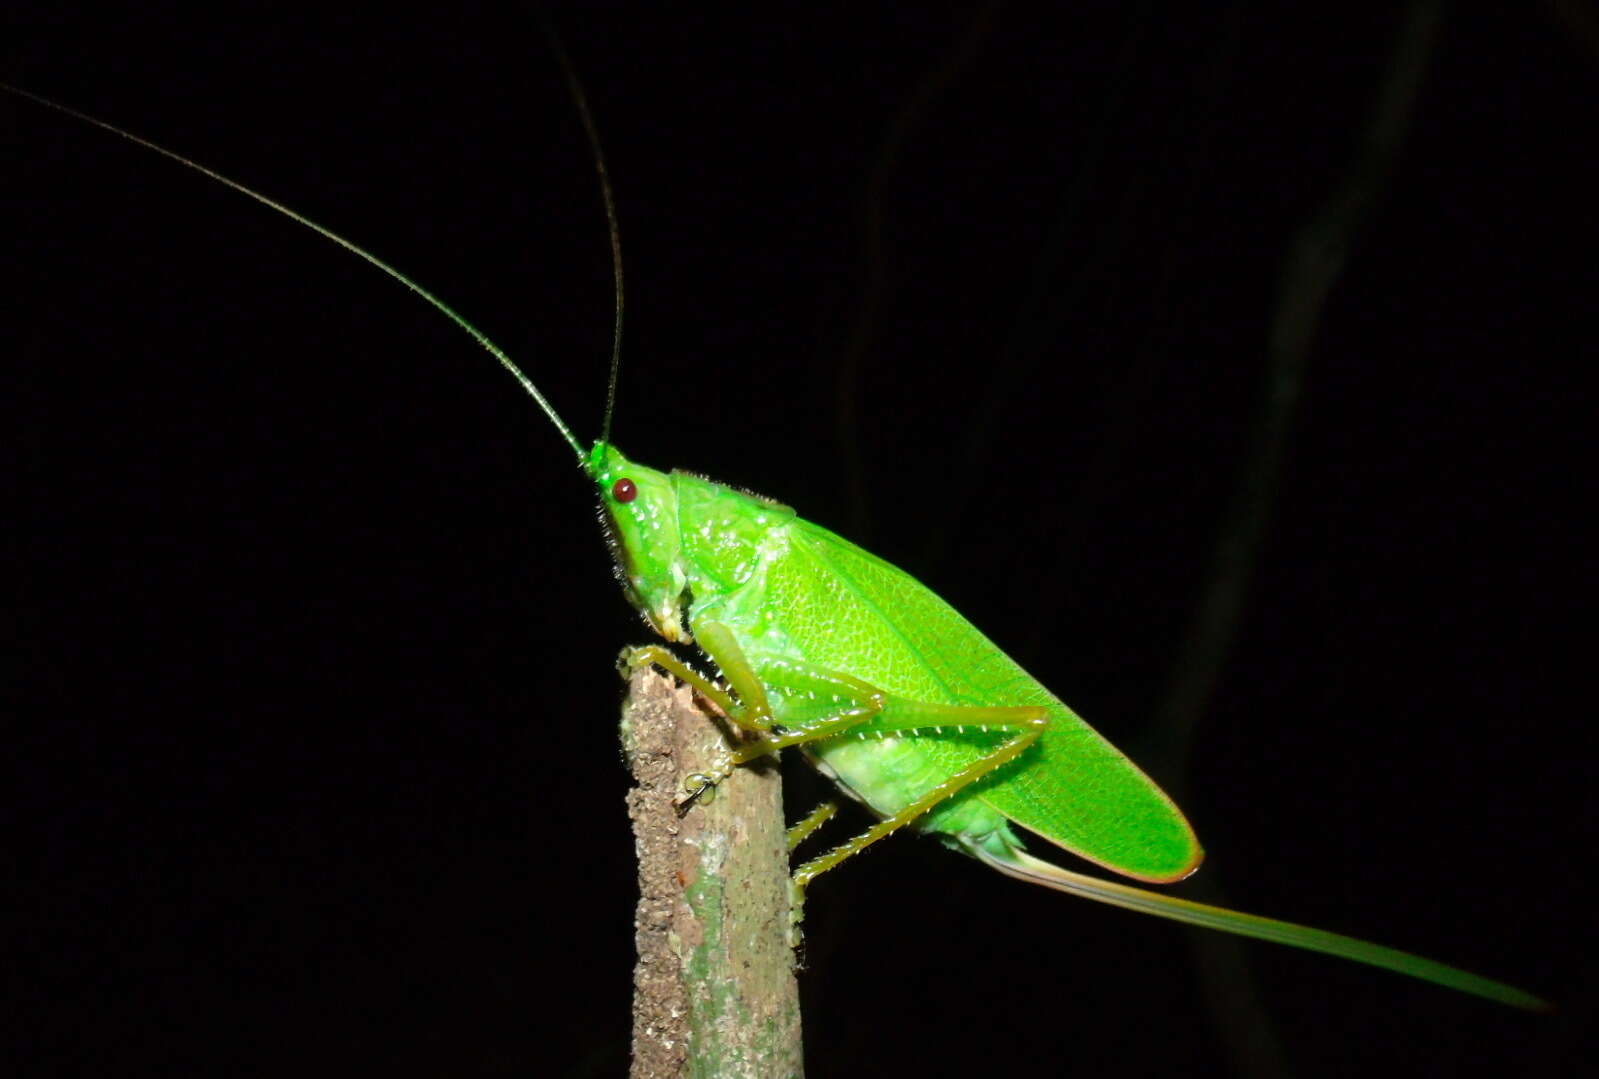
(714, 988)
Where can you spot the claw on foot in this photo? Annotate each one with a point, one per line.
(698, 786)
(796, 920)
(628, 661)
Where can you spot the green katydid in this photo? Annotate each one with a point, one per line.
(889, 690)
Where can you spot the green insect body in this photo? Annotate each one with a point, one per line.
(884, 686)
(801, 604)
(908, 707)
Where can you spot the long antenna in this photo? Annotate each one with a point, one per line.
(477, 335)
(576, 87)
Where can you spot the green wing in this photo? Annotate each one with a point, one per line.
(845, 609)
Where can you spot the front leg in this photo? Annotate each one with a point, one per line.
(832, 703)
(848, 701)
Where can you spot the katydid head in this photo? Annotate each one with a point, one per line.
(638, 508)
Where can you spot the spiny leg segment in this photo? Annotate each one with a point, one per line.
(801, 830)
(860, 703)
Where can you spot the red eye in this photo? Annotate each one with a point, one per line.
(624, 490)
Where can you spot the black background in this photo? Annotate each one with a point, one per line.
(316, 759)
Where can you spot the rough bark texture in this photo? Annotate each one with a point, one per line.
(714, 989)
